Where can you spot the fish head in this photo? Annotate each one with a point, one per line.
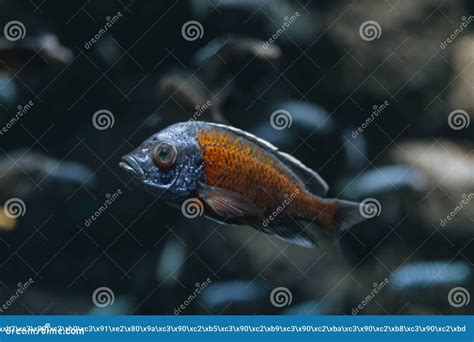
(169, 162)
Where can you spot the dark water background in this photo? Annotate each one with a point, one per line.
(150, 258)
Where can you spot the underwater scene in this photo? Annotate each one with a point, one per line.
(223, 157)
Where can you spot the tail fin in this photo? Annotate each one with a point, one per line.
(348, 214)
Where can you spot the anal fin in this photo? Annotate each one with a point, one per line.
(296, 235)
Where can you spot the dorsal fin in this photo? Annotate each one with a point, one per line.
(309, 177)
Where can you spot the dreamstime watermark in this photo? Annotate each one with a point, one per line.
(111, 198)
(377, 110)
(103, 119)
(370, 30)
(21, 110)
(281, 297)
(465, 200)
(458, 119)
(192, 208)
(281, 119)
(199, 110)
(110, 22)
(370, 208)
(21, 288)
(197, 291)
(103, 296)
(465, 22)
(14, 30)
(287, 21)
(192, 30)
(286, 202)
(14, 208)
(377, 288)
(459, 296)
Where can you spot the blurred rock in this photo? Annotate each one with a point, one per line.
(302, 24)
(122, 305)
(41, 50)
(232, 292)
(384, 54)
(202, 93)
(23, 171)
(214, 56)
(291, 121)
(391, 190)
(448, 191)
(204, 8)
(8, 92)
(303, 129)
(460, 96)
(308, 308)
(108, 50)
(356, 150)
(430, 274)
(383, 179)
(170, 263)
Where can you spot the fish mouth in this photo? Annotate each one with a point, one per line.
(130, 165)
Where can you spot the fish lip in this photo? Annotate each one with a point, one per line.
(130, 165)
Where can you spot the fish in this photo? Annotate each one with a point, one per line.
(239, 179)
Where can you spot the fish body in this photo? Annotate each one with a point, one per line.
(240, 179)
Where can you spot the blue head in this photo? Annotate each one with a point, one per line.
(169, 161)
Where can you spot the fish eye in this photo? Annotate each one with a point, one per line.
(164, 155)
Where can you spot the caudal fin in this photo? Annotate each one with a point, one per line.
(348, 214)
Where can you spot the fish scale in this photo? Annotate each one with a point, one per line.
(266, 183)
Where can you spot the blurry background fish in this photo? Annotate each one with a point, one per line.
(374, 96)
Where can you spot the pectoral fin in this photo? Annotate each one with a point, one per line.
(228, 204)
